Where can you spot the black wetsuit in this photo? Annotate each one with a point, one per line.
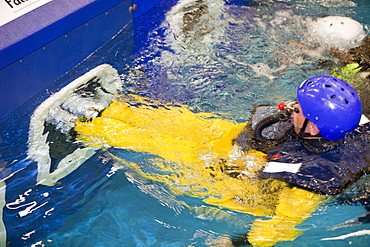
(327, 173)
(324, 173)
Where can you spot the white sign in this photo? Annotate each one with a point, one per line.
(12, 9)
(274, 167)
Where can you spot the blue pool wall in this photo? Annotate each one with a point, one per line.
(41, 46)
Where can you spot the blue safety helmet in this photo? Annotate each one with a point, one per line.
(331, 104)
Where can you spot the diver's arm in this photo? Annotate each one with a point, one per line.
(320, 175)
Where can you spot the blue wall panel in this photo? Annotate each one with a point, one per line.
(46, 23)
(38, 48)
(34, 72)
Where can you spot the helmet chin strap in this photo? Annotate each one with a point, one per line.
(304, 126)
(317, 144)
(303, 134)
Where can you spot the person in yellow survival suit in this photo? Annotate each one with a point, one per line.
(204, 155)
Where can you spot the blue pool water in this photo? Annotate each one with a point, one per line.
(234, 55)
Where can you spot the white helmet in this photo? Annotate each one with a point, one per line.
(336, 32)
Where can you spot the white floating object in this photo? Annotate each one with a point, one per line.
(336, 32)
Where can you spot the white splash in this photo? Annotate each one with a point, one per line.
(353, 234)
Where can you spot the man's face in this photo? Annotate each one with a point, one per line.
(298, 120)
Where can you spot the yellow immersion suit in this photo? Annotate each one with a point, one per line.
(196, 149)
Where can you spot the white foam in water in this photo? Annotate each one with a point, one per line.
(61, 119)
(88, 107)
(353, 234)
(203, 29)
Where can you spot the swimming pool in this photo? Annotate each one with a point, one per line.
(232, 55)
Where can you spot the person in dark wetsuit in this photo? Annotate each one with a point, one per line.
(330, 146)
(326, 120)
(327, 148)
